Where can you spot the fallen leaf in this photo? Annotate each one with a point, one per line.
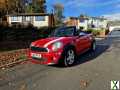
(84, 83)
(3, 68)
(23, 87)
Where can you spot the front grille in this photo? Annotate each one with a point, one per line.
(39, 49)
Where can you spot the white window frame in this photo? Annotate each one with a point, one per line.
(14, 18)
(42, 18)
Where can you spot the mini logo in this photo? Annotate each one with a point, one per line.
(115, 85)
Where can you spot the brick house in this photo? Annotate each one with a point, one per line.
(71, 21)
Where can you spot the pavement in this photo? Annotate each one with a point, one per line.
(93, 71)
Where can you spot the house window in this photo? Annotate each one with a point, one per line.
(82, 20)
(27, 18)
(39, 18)
(14, 18)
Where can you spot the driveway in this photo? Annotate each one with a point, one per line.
(93, 71)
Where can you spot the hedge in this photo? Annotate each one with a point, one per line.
(20, 34)
(95, 32)
(12, 36)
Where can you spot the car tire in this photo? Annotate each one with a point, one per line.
(69, 57)
(93, 46)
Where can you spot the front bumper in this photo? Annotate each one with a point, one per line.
(47, 58)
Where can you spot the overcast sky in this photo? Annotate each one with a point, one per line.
(88, 7)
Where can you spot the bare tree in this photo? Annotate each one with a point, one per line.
(58, 10)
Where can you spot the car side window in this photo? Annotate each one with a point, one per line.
(70, 31)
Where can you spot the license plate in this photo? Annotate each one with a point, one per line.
(35, 55)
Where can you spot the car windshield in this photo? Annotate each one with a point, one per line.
(63, 32)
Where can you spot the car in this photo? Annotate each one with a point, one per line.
(61, 47)
(114, 33)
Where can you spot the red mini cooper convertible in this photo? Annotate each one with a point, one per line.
(63, 45)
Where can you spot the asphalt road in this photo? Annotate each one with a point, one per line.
(93, 71)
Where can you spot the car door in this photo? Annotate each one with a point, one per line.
(79, 44)
(86, 43)
(83, 42)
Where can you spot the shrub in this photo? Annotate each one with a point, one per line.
(95, 32)
(107, 32)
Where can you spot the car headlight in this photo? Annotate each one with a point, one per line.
(56, 46)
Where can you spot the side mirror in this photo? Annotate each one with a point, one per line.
(82, 34)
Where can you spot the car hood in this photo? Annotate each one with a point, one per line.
(46, 42)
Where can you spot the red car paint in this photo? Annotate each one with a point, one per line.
(42, 49)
